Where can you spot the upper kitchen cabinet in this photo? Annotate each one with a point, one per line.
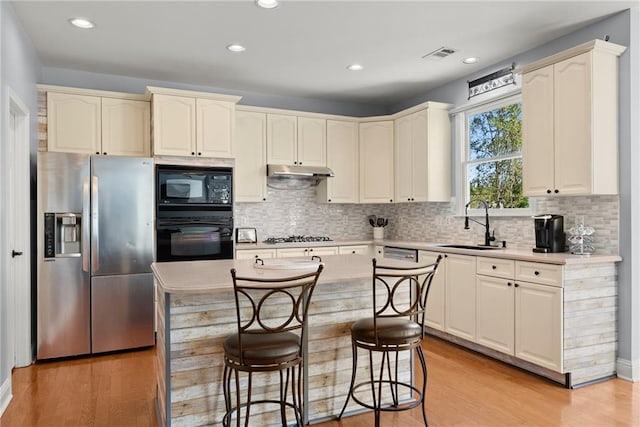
(193, 124)
(376, 162)
(293, 140)
(342, 159)
(97, 122)
(570, 122)
(423, 155)
(251, 157)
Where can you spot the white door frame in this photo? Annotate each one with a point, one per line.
(17, 275)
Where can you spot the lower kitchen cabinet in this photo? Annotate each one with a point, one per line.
(306, 252)
(538, 325)
(434, 315)
(520, 318)
(495, 304)
(255, 253)
(460, 296)
(354, 249)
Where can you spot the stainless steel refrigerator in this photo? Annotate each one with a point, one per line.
(95, 249)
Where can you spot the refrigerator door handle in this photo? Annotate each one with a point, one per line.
(86, 214)
(95, 263)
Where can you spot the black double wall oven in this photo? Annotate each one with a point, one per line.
(194, 213)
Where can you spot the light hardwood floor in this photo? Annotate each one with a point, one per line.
(464, 389)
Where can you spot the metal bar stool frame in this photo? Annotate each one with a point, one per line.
(251, 325)
(372, 334)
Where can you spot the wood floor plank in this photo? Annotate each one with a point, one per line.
(463, 389)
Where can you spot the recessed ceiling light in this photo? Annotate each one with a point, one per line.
(267, 4)
(236, 48)
(354, 67)
(470, 60)
(81, 23)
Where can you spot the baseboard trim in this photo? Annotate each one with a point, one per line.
(628, 370)
(5, 395)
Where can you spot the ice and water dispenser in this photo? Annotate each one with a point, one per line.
(62, 234)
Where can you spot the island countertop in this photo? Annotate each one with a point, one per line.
(212, 276)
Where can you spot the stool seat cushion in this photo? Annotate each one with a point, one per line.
(264, 348)
(393, 330)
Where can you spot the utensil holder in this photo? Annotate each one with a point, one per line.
(378, 233)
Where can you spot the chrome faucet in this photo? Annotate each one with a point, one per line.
(488, 238)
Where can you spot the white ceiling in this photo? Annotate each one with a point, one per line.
(302, 47)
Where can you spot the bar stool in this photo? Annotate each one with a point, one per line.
(271, 336)
(399, 301)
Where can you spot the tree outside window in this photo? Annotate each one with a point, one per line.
(493, 161)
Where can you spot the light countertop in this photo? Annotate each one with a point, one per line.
(508, 253)
(207, 276)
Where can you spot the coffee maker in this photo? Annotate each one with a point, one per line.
(550, 235)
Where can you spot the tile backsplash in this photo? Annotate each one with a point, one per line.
(289, 212)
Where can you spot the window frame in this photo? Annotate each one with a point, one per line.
(461, 123)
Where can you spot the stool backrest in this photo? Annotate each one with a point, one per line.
(402, 291)
(269, 306)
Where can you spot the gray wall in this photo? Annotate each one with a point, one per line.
(20, 71)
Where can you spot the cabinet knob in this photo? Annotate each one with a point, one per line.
(556, 191)
(548, 191)
(104, 154)
(97, 152)
(310, 250)
(493, 267)
(391, 200)
(537, 273)
(516, 285)
(329, 200)
(353, 252)
(408, 199)
(193, 153)
(264, 199)
(508, 283)
(446, 256)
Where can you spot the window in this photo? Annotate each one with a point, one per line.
(491, 157)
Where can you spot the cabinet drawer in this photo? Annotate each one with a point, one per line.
(356, 249)
(496, 267)
(255, 253)
(546, 274)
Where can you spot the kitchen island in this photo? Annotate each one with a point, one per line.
(196, 312)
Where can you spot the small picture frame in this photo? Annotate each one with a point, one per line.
(246, 235)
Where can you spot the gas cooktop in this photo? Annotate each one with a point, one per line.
(296, 239)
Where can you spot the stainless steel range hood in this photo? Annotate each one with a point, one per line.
(300, 172)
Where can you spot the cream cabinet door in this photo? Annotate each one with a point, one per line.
(538, 325)
(282, 139)
(251, 156)
(342, 159)
(126, 127)
(419, 164)
(403, 158)
(438, 155)
(434, 315)
(376, 162)
(214, 128)
(573, 125)
(495, 302)
(312, 141)
(460, 296)
(174, 125)
(74, 123)
(255, 253)
(538, 165)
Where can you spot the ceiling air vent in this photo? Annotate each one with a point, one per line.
(440, 53)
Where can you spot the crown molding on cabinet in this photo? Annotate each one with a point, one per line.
(601, 45)
(151, 90)
(93, 92)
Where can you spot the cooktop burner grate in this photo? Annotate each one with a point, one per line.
(296, 239)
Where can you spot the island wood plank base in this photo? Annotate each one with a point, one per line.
(189, 380)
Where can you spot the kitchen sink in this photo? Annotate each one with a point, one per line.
(474, 247)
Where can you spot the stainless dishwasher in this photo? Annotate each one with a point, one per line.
(401, 253)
